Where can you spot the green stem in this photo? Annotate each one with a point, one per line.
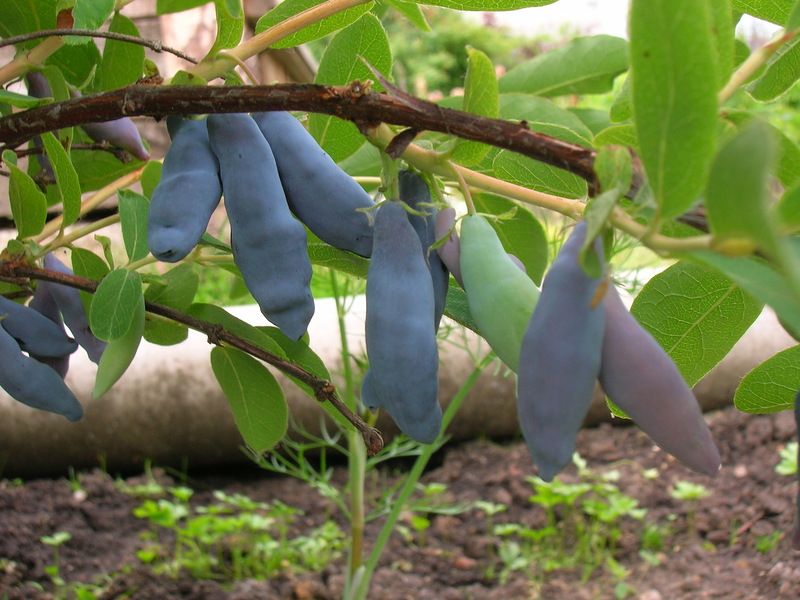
(413, 478)
(389, 180)
(142, 262)
(357, 454)
(68, 238)
(753, 63)
(427, 160)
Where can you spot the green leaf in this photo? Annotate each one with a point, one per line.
(696, 314)
(539, 176)
(115, 304)
(480, 98)
(123, 63)
(77, 64)
(164, 7)
(323, 255)
(133, 209)
(522, 235)
(230, 24)
(586, 65)
(487, 5)
(614, 168)
(774, 11)
(119, 352)
(674, 85)
(622, 135)
(342, 63)
(20, 100)
(772, 386)
(793, 22)
(300, 354)
(89, 14)
(176, 288)
(256, 399)
(736, 196)
(164, 332)
(544, 116)
(97, 169)
(622, 108)
(150, 177)
(598, 209)
(28, 203)
(412, 12)
(249, 333)
(289, 8)
(759, 280)
(788, 209)
(593, 118)
(457, 307)
(723, 36)
(87, 264)
(783, 70)
(25, 16)
(69, 188)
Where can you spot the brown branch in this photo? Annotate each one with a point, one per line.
(154, 45)
(324, 390)
(354, 102)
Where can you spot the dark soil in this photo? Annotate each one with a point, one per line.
(716, 558)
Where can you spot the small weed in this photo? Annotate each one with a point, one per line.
(691, 493)
(233, 539)
(788, 464)
(767, 543)
(63, 589)
(581, 531)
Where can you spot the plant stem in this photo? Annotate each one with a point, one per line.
(258, 43)
(753, 63)
(413, 478)
(92, 202)
(76, 234)
(33, 58)
(356, 456)
(431, 161)
(142, 262)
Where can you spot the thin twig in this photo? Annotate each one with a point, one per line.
(324, 390)
(154, 45)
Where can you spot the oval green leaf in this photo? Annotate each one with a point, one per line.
(696, 314)
(115, 304)
(772, 386)
(255, 398)
(342, 63)
(69, 187)
(674, 92)
(586, 65)
(119, 352)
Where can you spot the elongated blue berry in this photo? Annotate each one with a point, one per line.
(28, 381)
(415, 192)
(189, 191)
(68, 300)
(643, 381)
(401, 337)
(320, 194)
(35, 333)
(269, 244)
(560, 359)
